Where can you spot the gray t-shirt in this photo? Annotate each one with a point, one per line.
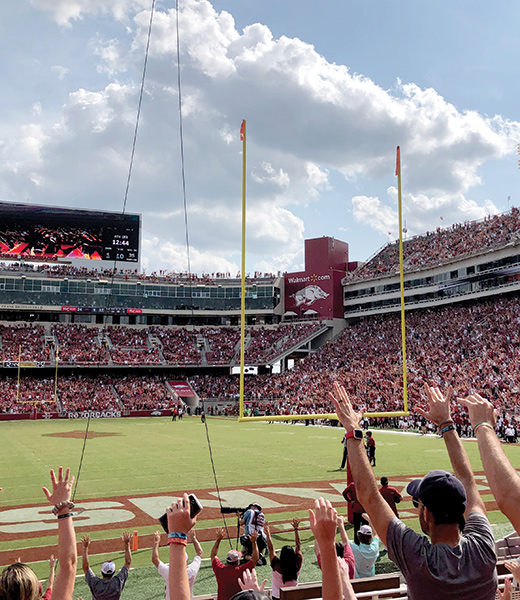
(106, 589)
(466, 572)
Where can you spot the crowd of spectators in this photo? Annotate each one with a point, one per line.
(143, 393)
(24, 342)
(81, 393)
(78, 344)
(473, 346)
(57, 270)
(221, 344)
(443, 245)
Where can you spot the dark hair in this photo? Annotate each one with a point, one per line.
(444, 518)
(384, 480)
(288, 563)
(340, 549)
(364, 538)
(251, 595)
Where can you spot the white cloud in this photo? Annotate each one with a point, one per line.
(269, 174)
(313, 126)
(420, 212)
(60, 71)
(65, 11)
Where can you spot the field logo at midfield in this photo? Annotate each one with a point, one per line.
(279, 502)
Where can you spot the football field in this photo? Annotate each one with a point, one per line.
(132, 468)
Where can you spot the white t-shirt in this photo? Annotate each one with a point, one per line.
(193, 569)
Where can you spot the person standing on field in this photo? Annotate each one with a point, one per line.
(108, 586)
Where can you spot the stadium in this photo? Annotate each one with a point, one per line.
(99, 359)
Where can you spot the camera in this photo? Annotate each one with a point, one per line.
(229, 510)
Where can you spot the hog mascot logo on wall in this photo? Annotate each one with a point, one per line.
(308, 295)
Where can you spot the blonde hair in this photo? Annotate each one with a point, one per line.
(19, 582)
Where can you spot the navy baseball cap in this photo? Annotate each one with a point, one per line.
(442, 494)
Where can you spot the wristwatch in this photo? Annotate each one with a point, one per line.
(357, 434)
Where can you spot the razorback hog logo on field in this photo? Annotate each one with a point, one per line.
(308, 295)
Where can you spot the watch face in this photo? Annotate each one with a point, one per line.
(358, 434)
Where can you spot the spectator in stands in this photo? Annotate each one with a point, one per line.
(228, 573)
(335, 581)
(366, 552)
(286, 568)
(343, 549)
(18, 581)
(451, 565)
(501, 475)
(192, 568)
(108, 586)
(390, 494)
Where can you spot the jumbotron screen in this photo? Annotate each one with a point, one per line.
(45, 232)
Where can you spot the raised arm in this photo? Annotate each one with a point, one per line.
(440, 414)
(342, 531)
(67, 555)
(296, 526)
(196, 544)
(128, 552)
(52, 567)
(502, 477)
(269, 541)
(365, 482)
(86, 543)
(255, 554)
(179, 523)
(323, 525)
(155, 548)
(220, 536)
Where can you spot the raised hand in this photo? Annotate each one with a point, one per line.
(179, 518)
(86, 541)
(249, 581)
(439, 405)
(295, 523)
(323, 521)
(61, 487)
(350, 419)
(480, 410)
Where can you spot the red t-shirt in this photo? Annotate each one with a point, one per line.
(227, 577)
(390, 494)
(349, 493)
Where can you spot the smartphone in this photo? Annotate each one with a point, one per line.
(195, 508)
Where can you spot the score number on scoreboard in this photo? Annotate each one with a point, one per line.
(121, 243)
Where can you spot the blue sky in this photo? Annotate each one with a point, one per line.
(328, 90)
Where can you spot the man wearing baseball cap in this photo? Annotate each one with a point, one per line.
(229, 573)
(108, 586)
(456, 558)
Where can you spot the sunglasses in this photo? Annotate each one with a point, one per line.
(417, 503)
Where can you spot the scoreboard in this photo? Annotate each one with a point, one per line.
(46, 232)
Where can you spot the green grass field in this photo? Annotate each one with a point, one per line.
(155, 456)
